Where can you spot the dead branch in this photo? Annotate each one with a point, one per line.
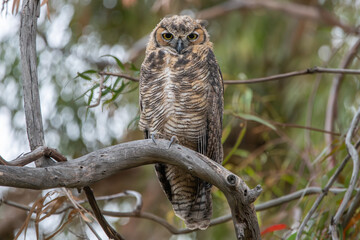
(102, 163)
(34, 155)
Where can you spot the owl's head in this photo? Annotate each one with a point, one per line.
(177, 33)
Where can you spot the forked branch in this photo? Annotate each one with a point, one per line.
(102, 163)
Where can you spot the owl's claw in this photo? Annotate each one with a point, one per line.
(173, 139)
(153, 135)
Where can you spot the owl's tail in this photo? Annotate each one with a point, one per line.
(189, 195)
(199, 213)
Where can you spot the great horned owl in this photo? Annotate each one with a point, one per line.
(181, 94)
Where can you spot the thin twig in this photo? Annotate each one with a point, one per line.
(110, 231)
(354, 176)
(290, 125)
(100, 92)
(120, 75)
(127, 193)
(302, 11)
(311, 100)
(313, 70)
(324, 193)
(350, 213)
(219, 220)
(333, 97)
(39, 152)
(92, 230)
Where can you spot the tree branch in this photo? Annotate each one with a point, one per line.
(281, 76)
(333, 96)
(105, 162)
(110, 231)
(312, 13)
(324, 193)
(34, 155)
(313, 70)
(137, 213)
(354, 176)
(34, 126)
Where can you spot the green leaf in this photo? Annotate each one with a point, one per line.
(91, 89)
(242, 153)
(226, 132)
(254, 118)
(82, 75)
(90, 71)
(235, 147)
(106, 91)
(119, 63)
(134, 68)
(292, 236)
(116, 82)
(90, 97)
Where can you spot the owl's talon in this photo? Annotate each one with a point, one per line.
(153, 138)
(173, 139)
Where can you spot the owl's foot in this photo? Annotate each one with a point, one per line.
(173, 139)
(153, 137)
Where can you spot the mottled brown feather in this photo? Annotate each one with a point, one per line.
(181, 94)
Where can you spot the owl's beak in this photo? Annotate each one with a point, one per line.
(179, 46)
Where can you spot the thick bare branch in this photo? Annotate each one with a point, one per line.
(102, 163)
(29, 14)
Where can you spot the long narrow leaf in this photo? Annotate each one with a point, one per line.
(254, 118)
(237, 144)
(119, 63)
(82, 75)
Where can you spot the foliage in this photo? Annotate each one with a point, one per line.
(84, 38)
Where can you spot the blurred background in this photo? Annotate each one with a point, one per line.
(263, 141)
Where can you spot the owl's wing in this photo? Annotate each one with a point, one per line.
(214, 149)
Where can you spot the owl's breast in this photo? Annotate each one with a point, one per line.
(176, 104)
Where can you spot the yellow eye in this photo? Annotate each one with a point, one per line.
(192, 36)
(167, 36)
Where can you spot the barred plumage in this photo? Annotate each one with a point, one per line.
(181, 94)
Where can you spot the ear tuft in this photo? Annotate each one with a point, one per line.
(203, 23)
